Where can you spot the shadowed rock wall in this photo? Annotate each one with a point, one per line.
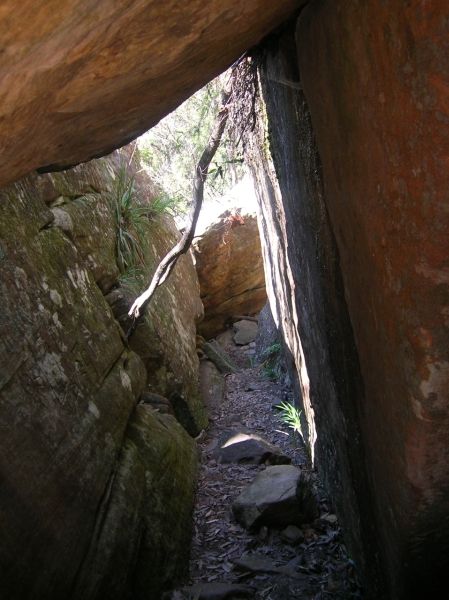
(306, 294)
(97, 490)
(357, 257)
(357, 223)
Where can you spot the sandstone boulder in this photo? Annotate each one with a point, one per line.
(248, 448)
(245, 332)
(355, 211)
(166, 338)
(292, 535)
(157, 402)
(97, 491)
(268, 334)
(80, 79)
(230, 271)
(218, 355)
(212, 385)
(147, 511)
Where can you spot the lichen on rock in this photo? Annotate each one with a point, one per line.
(96, 486)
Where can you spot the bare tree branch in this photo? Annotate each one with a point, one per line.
(168, 262)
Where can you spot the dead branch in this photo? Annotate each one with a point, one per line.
(168, 262)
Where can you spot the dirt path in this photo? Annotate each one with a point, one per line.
(315, 566)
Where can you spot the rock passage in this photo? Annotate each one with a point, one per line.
(262, 528)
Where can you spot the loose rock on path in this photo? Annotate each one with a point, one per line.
(305, 560)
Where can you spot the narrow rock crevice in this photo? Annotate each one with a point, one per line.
(323, 353)
(288, 543)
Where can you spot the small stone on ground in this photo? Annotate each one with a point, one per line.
(278, 496)
(244, 448)
(292, 534)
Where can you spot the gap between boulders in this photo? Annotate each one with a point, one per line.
(263, 528)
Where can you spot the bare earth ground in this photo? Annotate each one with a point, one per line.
(318, 568)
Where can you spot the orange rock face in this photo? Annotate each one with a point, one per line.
(79, 78)
(230, 271)
(375, 75)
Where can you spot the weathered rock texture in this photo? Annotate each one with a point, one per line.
(230, 271)
(387, 199)
(79, 78)
(357, 268)
(96, 490)
(245, 332)
(268, 335)
(166, 339)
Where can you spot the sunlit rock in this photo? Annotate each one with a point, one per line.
(230, 271)
(79, 79)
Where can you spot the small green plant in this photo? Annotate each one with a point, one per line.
(163, 203)
(290, 415)
(270, 372)
(272, 350)
(271, 367)
(130, 218)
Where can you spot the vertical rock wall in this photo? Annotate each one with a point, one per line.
(96, 489)
(357, 224)
(375, 76)
(306, 293)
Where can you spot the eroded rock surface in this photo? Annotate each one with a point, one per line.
(97, 490)
(307, 298)
(212, 384)
(386, 193)
(268, 334)
(79, 79)
(166, 338)
(230, 271)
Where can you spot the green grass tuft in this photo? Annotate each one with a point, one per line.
(271, 366)
(290, 415)
(272, 350)
(163, 204)
(130, 219)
